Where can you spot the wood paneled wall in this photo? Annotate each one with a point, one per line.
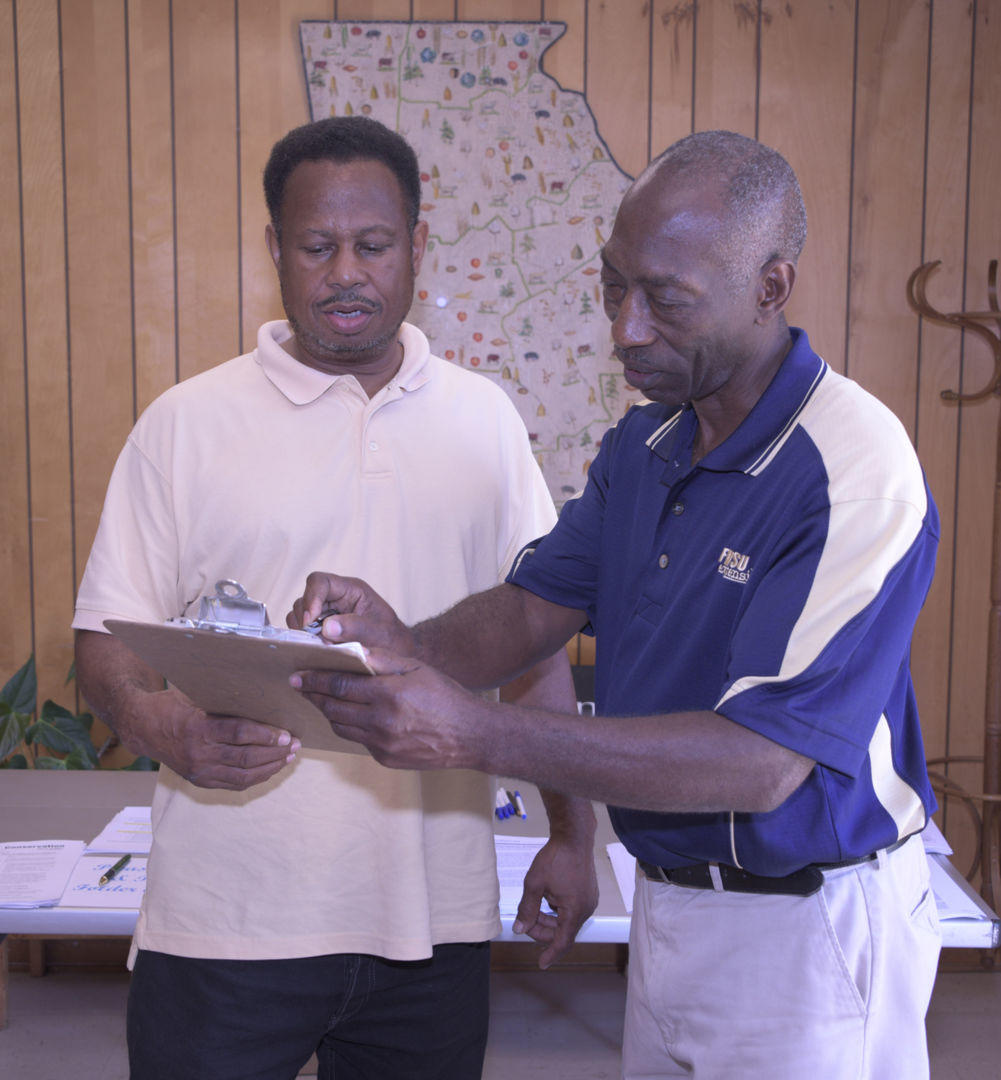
(132, 138)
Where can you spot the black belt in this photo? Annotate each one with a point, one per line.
(803, 882)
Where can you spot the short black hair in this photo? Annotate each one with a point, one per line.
(342, 139)
(760, 189)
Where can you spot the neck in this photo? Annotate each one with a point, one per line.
(720, 414)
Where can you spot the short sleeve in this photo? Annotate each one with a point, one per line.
(820, 652)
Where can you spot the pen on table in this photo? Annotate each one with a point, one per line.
(504, 806)
(520, 805)
(112, 870)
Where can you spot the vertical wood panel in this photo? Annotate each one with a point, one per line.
(564, 61)
(434, 9)
(97, 228)
(937, 421)
(804, 44)
(726, 66)
(207, 206)
(269, 40)
(45, 324)
(887, 200)
(373, 9)
(492, 10)
(15, 576)
(152, 198)
(978, 422)
(618, 78)
(671, 73)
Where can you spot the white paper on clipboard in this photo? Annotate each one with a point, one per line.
(236, 675)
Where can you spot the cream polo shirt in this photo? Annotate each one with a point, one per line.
(261, 470)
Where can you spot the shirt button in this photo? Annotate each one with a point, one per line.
(678, 508)
(663, 561)
(373, 445)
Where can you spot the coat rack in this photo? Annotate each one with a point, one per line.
(989, 824)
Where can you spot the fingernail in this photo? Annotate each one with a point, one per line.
(295, 681)
(518, 927)
(284, 739)
(331, 628)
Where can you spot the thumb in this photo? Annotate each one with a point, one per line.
(528, 910)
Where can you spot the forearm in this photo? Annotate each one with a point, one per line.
(549, 686)
(163, 724)
(693, 762)
(494, 637)
(115, 682)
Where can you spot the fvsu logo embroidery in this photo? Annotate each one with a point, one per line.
(734, 566)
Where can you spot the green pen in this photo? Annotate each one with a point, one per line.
(111, 871)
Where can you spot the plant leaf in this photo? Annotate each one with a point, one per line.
(45, 762)
(15, 761)
(13, 726)
(21, 690)
(80, 759)
(60, 730)
(142, 764)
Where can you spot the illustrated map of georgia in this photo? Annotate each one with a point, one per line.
(520, 192)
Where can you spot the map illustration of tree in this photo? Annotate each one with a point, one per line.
(520, 193)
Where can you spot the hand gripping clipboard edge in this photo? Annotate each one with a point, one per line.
(233, 675)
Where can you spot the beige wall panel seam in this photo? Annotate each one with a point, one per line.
(15, 544)
(672, 72)
(946, 171)
(46, 342)
(97, 221)
(886, 217)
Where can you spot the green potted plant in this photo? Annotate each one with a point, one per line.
(51, 738)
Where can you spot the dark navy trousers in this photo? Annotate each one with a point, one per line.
(366, 1018)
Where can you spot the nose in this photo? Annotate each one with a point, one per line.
(631, 321)
(344, 269)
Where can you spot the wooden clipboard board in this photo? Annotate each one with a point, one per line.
(237, 675)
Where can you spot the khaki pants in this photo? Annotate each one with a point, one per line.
(738, 986)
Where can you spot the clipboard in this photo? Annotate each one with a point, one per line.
(236, 675)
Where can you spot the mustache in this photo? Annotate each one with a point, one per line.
(348, 296)
(631, 358)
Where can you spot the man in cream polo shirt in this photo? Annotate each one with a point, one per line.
(301, 900)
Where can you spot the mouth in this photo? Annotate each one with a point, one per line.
(348, 316)
(638, 376)
(636, 373)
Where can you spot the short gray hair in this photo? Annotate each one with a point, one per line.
(760, 190)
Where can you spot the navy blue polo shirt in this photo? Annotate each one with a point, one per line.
(776, 582)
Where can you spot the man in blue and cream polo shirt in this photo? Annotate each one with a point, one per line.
(751, 551)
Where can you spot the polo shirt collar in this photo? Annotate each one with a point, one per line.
(750, 448)
(302, 384)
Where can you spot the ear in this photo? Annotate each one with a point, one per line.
(774, 289)
(419, 244)
(271, 239)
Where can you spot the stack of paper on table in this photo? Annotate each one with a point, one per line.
(124, 890)
(34, 873)
(129, 831)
